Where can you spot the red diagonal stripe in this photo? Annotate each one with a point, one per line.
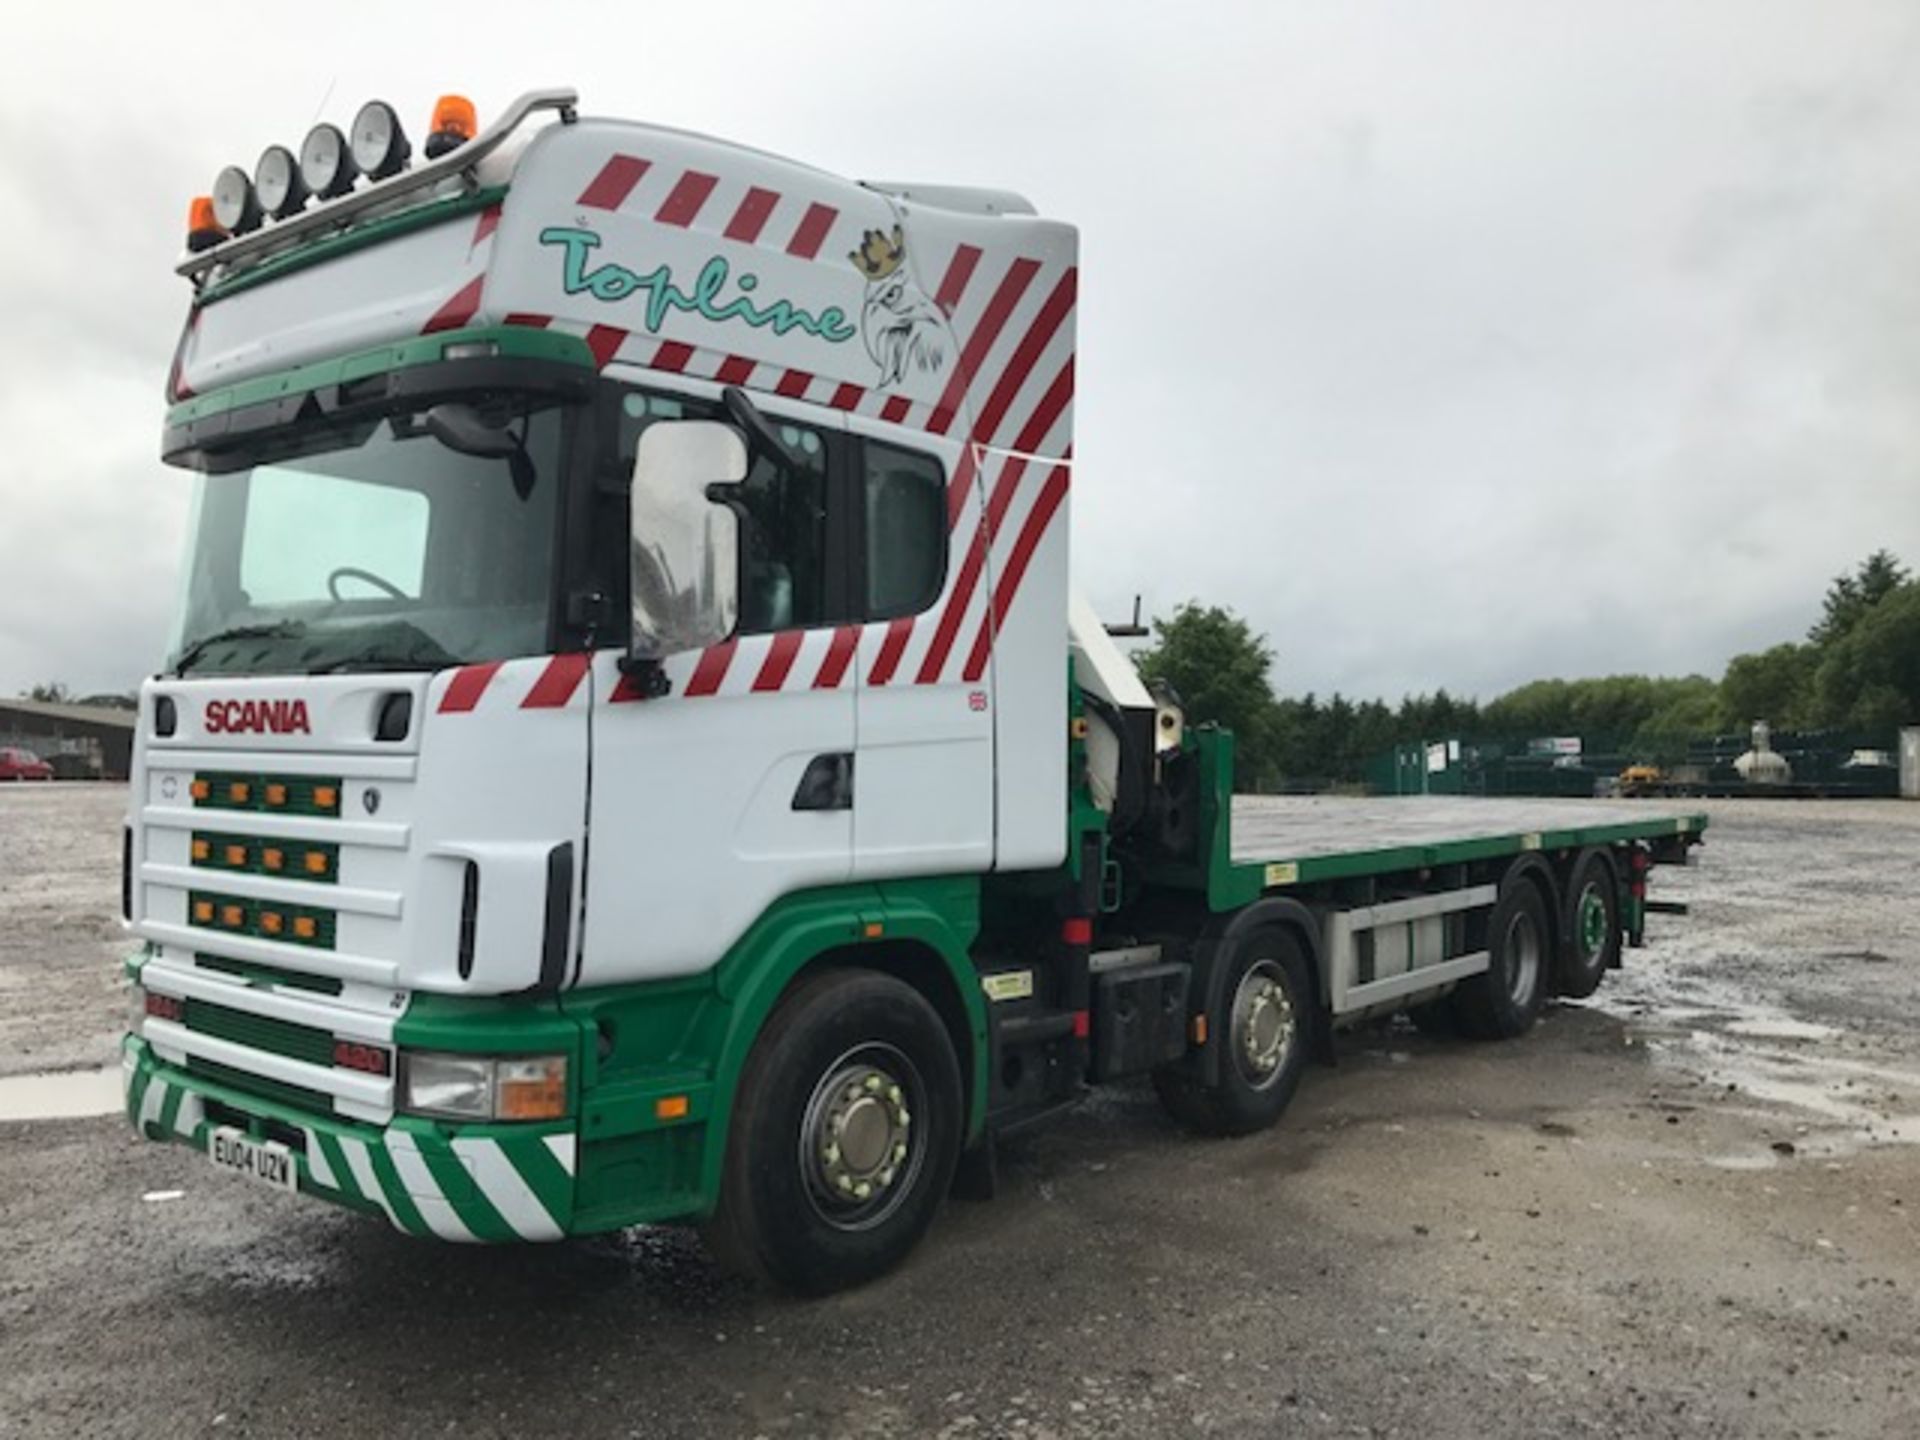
(1008, 586)
(458, 310)
(959, 271)
(1039, 334)
(734, 370)
(847, 396)
(812, 231)
(615, 182)
(895, 410)
(489, 218)
(958, 487)
(891, 649)
(683, 202)
(1045, 414)
(1052, 403)
(604, 341)
(956, 611)
(751, 217)
(469, 683)
(557, 682)
(528, 319)
(672, 355)
(773, 670)
(626, 692)
(793, 384)
(712, 668)
(833, 669)
(1012, 286)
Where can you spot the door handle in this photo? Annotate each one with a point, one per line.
(827, 783)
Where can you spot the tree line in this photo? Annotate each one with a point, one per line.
(1857, 671)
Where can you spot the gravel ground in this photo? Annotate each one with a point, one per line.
(1687, 1208)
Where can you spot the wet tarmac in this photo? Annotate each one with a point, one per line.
(1686, 1208)
(60, 1095)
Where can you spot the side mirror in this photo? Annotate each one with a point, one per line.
(684, 550)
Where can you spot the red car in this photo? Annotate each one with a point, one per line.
(23, 765)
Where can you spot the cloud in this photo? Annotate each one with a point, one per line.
(1452, 347)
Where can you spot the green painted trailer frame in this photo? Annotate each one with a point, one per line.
(1312, 840)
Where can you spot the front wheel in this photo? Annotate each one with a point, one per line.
(846, 1131)
(1263, 1020)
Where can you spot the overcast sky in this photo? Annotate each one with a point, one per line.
(1452, 344)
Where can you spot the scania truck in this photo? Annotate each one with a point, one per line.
(629, 751)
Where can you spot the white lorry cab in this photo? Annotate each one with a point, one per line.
(627, 752)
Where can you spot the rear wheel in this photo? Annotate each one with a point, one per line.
(1263, 1020)
(845, 1135)
(1505, 999)
(1592, 927)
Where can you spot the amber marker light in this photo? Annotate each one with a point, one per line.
(232, 916)
(238, 792)
(325, 796)
(276, 794)
(203, 911)
(201, 849)
(304, 928)
(200, 789)
(236, 854)
(454, 123)
(272, 858)
(670, 1107)
(203, 230)
(531, 1089)
(316, 862)
(271, 922)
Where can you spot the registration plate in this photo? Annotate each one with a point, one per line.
(270, 1164)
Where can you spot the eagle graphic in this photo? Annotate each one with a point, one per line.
(901, 326)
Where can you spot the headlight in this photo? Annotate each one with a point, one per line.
(476, 1087)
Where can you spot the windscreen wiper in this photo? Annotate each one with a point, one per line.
(278, 630)
(379, 660)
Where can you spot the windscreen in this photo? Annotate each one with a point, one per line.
(379, 548)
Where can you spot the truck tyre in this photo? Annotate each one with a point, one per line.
(1591, 925)
(1263, 1020)
(1505, 999)
(846, 1129)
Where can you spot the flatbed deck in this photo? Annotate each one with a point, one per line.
(1306, 838)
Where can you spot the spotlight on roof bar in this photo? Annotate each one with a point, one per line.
(277, 182)
(235, 205)
(380, 146)
(454, 123)
(326, 164)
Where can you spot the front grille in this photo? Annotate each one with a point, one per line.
(257, 974)
(260, 1032)
(264, 919)
(273, 794)
(297, 1096)
(252, 855)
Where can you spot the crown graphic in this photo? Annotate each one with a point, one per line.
(879, 256)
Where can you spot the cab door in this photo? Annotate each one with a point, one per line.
(735, 788)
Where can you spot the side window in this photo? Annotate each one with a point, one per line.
(904, 495)
(784, 569)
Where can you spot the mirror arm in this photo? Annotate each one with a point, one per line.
(761, 435)
(649, 676)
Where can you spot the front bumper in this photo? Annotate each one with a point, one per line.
(428, 1177)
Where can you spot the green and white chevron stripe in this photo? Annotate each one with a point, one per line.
(490, 1187)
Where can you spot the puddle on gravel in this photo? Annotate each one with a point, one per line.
(60, 1095)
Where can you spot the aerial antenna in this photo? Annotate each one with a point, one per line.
(1130, 630)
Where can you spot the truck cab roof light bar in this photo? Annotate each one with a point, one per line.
(337, 212)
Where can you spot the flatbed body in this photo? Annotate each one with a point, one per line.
(1304, 839)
